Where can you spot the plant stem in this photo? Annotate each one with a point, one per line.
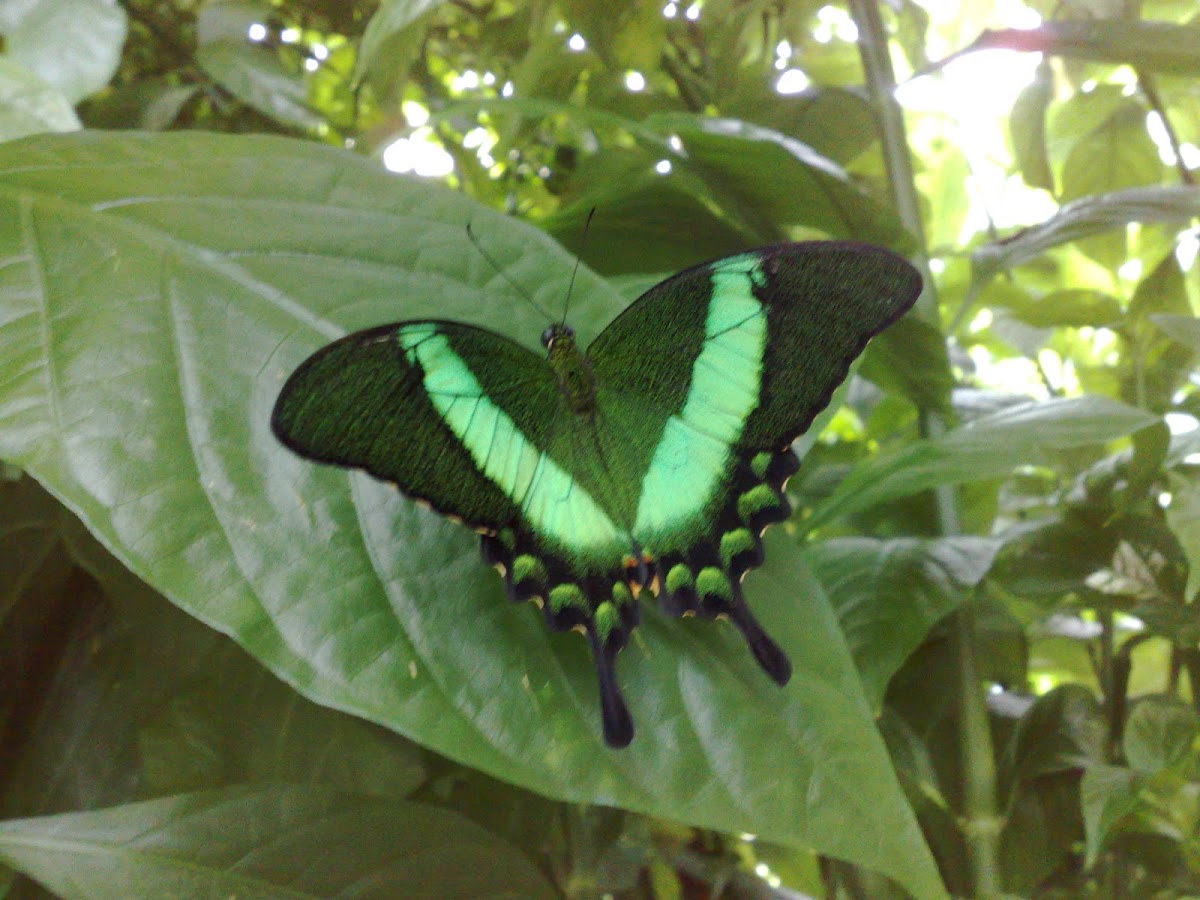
(980, 823)
(1150, 91)
(1108, 684)
(1191, 662)
(881, 82)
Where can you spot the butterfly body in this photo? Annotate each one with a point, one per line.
(654, 461)
(575, 378)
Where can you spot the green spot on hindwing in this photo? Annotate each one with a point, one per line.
(755, 500)
(605, 620)
(712, 582)
(679, 579)
(621, 594)
(564, 596)
(527, 569)
(734, 542)
(760, 464)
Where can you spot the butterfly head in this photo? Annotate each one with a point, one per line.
(556, 332)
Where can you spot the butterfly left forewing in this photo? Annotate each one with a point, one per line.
(478, 427)
(361, 402)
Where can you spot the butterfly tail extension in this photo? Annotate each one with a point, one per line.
(568, 601)
(705, 580)
(614, 714)
(765, 651)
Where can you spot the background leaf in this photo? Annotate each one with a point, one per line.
(1115, 155)
(985, 448)
(888, 594)
(1182, 329)
(252, 842)
(114, 690)
(1108, 794)
(29, 105)
(389, 21)
(712, 185)
(1154, 46)
(1085, 217)
(74, 45)
(1027, 126)
(1183, 515)
(254, 76)
(1160, 732)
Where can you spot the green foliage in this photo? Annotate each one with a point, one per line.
(266, 832)
(989, 580)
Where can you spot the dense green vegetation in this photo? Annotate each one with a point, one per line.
(228, 672)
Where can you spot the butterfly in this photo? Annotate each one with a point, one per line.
(652, 461)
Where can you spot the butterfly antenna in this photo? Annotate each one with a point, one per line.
(582, 243)
(520, 291)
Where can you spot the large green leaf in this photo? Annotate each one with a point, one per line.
(989, 447)
(158, 291)
(122, 695)
(288, 841)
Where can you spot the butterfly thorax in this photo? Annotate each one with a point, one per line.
(575, 378)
